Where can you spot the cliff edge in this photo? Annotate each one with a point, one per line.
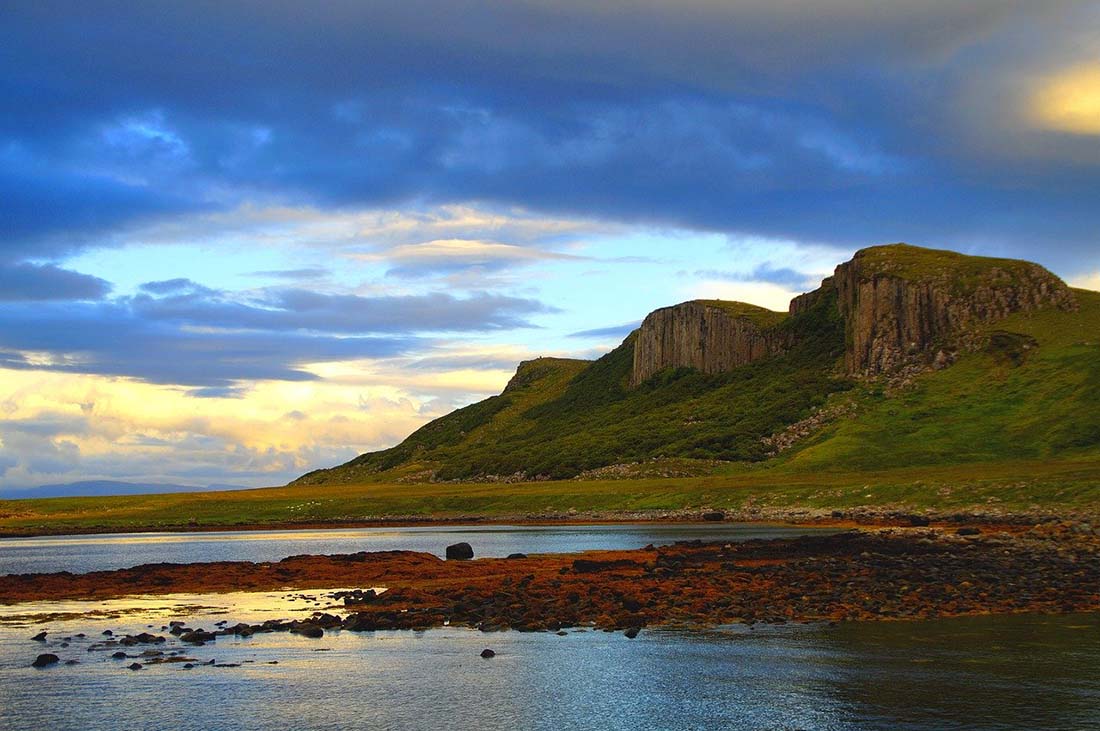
(901, 305)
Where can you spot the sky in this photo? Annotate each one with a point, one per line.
(240, 240)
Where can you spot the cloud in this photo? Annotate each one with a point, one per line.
(770, 118)
(764, 294)
(448, 256)
(1087, 281)
(599, 333)
(178, 285)
(765, 272)
(198, 337)
(1068, 101)
(300, 310)
(291, 273)
(38, 283)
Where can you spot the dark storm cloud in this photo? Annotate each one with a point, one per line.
(205, 340)
(832, 122)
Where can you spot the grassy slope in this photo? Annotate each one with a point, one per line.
(1009, 485)
(562, 418)
(963, 271)
(985, 407)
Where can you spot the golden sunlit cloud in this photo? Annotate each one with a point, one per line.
(1068, 101)
(89, 426)
(1088, 281)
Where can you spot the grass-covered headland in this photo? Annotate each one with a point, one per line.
(1012, 425)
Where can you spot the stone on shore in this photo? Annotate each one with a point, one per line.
(460, 552)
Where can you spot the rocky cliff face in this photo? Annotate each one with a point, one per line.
(904, 305)
(710, 336)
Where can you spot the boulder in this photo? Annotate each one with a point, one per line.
(460, 551)
(197, 637)
(714, 515)
(309, 630)
(45, 660)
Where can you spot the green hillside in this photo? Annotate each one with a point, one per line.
(1032, 392)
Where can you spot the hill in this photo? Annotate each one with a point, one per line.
(904, 357)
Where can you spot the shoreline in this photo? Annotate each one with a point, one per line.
(839, 518)
(880, 574)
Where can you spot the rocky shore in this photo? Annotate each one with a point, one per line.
(888, 573)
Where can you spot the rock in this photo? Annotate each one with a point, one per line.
(968, 531)
(632, 632)
(40, 637)
(460, 551)
(198, 637)
(899, 302)
(487, 653)
(310, 630)
(119, 655)
(135, 666)
(108, 633)
(45, 660)
(714, 515)
(919, 521)
(707, 335)
(589, 566)
(517, 555)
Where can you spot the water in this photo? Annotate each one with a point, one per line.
(81, 554)
(1019, 672)
(981, 674)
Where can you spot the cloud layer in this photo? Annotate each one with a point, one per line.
(244, 238)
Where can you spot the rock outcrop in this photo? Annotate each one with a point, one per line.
(708, 335)
(904, 305)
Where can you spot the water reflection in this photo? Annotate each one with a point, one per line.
(81, 554)
(1017, 672)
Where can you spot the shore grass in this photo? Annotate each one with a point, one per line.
(1067, 486)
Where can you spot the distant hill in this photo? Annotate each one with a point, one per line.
(904, 357)
(106, 487)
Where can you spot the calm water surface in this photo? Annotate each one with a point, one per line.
(1019, 672)
(100, 552)
(1022, 672)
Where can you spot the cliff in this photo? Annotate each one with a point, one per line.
(903, 304)
(710, 336)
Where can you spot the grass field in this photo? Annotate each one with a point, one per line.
(1023, 486)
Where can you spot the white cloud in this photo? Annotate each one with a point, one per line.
(1087, 281)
